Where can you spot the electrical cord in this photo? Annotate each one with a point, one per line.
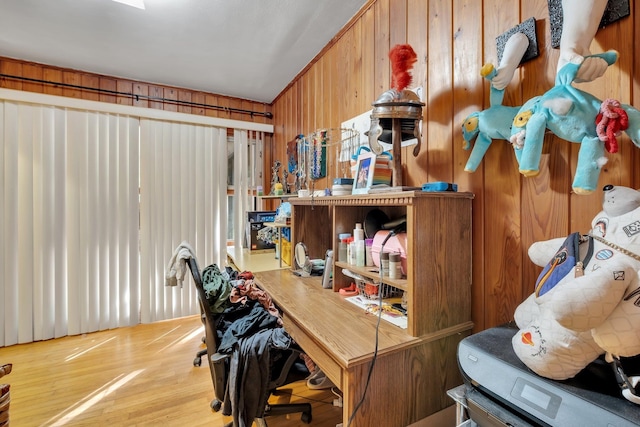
(373, 362)
(333, 390)
(393, 232)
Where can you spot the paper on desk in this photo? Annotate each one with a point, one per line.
(373, 306)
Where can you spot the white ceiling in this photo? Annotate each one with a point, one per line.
(249, 49)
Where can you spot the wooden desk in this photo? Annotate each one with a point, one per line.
(243, 259)
(411, 374)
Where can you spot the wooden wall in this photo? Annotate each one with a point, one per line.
(453, 39)
(148, 95)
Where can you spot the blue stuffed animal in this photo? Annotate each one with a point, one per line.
(575, 116)
(494, 122)
(487, 125)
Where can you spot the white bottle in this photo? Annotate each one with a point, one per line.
(360, 252)
(352, 253)
(358, 233)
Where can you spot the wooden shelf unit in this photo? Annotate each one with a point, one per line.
(438, 279)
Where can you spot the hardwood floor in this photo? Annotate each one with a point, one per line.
(137, 376)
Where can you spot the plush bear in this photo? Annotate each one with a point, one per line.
(587, 299)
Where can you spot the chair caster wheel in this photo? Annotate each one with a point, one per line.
(306, 417)
(197, 361)
(216, 405)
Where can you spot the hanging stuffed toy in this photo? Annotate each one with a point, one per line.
(610, 122)
(575, 116)
(570, 113)
(494, 122)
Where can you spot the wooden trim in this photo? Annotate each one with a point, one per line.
(62, 101)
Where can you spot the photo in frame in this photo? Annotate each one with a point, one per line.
(365, 169)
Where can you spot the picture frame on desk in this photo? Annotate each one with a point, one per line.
(365, 169)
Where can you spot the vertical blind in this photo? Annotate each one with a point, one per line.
(93, 202)
(183, 197)
(69, 259)
(240, 185)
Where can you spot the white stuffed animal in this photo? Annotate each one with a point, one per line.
(587, 298)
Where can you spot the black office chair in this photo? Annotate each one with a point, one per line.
(197, 361)
(286, 368)
(217, 365)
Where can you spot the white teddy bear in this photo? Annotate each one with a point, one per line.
(587, 298)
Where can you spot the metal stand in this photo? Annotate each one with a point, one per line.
(396, 140)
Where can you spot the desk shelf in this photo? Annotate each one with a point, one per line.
(413, 366)
(373, 273)
(278, 196)
(438, 276)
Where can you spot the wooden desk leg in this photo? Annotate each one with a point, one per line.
(280, 246)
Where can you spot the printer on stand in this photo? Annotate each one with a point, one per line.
(499, 390)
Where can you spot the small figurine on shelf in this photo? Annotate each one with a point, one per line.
(285, 180)
(295, 185)
(278, 189)
(275, 175)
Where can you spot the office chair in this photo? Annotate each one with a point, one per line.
(197, 361)
(286, 368)
(217, 365)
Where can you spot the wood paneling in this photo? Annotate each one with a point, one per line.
(468, 97)
(123, 91)
(501, 189)
(453, 39)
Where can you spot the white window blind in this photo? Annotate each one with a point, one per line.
(183, 197)
(69, 214)
(94, 198)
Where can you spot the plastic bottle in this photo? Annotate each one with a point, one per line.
(358, 232)
(384, 263)
(352, 251)
(395, 267)
(342, 247)
(368, 255)
(342, 251)
(360, 253)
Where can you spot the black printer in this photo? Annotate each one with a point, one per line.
(500, 390)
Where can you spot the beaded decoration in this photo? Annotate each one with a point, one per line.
(319, 164)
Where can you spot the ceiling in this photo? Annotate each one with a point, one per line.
(249, 49)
